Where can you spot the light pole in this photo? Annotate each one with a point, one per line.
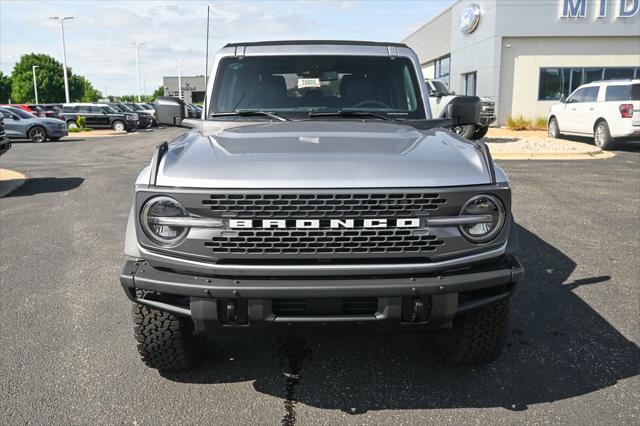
(136, 44)
(35, 84)
(179, 80)
(64, 54)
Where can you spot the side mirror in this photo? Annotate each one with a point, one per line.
(563, 99)
(452, 93)
(464, 110)
(170, 110)
(435, 93)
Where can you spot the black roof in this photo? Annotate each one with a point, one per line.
(329, 42)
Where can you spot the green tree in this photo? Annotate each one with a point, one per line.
(159, 92)
(50, 81)
(5, 88)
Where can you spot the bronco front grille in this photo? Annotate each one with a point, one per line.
(324, 241)
(318, 206)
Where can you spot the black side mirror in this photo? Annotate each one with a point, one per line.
(464, 110)
(435, 93)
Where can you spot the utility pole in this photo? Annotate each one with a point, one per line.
(35, 83)
(64, 54)
(179, 80)
(136, 44)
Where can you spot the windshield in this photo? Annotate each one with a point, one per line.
(293, 86)
(126, 108)
(145, 106)
(440, 87)
(135, 107)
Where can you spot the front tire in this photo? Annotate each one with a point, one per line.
(119, 126)
(602, 136)
(553, 129)
(37, 134)
(165, 341)
(465, 131)
(479, 133)
(477, 337)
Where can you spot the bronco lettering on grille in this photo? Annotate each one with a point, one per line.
(324, 223)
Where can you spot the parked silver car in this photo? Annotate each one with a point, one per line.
(20, 124)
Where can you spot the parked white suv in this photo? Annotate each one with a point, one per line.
(605, 109)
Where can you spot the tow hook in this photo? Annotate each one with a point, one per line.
(418, 310)
(231, 311)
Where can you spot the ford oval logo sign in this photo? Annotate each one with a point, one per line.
(470, 18)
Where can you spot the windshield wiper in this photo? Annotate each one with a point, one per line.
(248, 113)
(348, 113)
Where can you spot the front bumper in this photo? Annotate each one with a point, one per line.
(57, 132)
(219, 304)
(487, 119)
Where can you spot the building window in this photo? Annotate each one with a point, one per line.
(469, 83)
(557, 82)
(442, 68)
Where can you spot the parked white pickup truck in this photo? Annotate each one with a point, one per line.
(440, 97)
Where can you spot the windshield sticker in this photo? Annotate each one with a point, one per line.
(308, 82)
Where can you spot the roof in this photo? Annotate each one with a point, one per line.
(308, 42)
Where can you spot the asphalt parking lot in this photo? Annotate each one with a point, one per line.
(67, 354)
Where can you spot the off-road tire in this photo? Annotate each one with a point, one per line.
(465, 131)
(479, 133)
(602, 136)
(165, 341)
(477, 336)
(37, 134)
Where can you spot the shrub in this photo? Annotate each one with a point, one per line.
(540, 123)
(521, 123)
(81, 121)
(518, 123)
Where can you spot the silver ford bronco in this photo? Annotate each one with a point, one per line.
(318, 194)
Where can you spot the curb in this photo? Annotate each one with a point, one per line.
(589, 155)
(10, 181)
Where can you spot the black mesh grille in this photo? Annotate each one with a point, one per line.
(311, 307)
(318, 206)
(319, 241)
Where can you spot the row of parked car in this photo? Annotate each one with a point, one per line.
(40, 123)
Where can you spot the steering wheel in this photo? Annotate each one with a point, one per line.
(373, 103)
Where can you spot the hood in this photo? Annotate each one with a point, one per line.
(321, 154)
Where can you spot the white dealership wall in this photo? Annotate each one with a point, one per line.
(515, 38)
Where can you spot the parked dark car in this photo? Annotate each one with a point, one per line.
(19, 124)
(142, 112)
(144, 120)
(100, 116)
(5, 144)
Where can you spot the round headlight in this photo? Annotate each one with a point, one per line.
(484, 205)
(156, 221)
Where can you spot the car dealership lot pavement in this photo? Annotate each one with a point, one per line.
(68, 355)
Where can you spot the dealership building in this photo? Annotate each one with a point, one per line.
(526, 54)
(193, 88)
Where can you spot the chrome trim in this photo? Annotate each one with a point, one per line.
(192, 222)
(296, 269)
(458, 220)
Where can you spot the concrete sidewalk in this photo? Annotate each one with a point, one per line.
(10, 181)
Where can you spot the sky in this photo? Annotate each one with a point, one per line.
(98, 39)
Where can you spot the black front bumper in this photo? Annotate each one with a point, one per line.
(219, 304)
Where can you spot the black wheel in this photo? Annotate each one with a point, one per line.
(37, 134)
(54, 139)
(602, 136)
(119, 126)
(477, 337)
(465, 131)
(165, 341)
(479, 133)
(71, 124)
(553, 129)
